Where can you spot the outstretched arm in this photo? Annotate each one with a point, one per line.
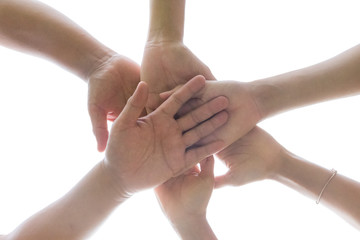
(77, 214)
(331, 79)
(35, 28)
(137, 147)
(257, 156)
(252, 102)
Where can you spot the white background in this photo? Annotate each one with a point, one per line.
(46, 142)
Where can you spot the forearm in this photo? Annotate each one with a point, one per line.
(77, 214)
(33, 27)
(334, 78)
(194, 229)
(166, 20)
(341, 195)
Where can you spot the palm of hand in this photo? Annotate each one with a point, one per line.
(188, 194)
(252, 158)
(167, 65)
(145, 152)
(110, 86)
(152, 151)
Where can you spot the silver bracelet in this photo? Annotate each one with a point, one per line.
(334, 172)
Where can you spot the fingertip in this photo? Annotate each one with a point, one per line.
(101, 147)
(164, 95)
(140, 96)
(101, 138)
(207, 166)
(142, 88)
(223, 101)
(201, 79)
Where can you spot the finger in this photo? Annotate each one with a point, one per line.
(192, 171)
(189, 106)
(207, 167)
(222, 181)
(210, 138)
(182, 95)
(194, 155)
(99, 125)
(204, 129)
(203, 113)
(135, 105)
(206, 72)
(167, 94)
(153, 102)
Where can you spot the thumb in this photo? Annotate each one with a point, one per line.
(135, 105)
(165, 95)
(99, 124)
(207, 167)
(222, 181)
(206, 72)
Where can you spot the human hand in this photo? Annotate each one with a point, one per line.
(166, 65)
(254, 157)
(187, 196)
(184, 200)
(242, 109)
(111, 84)
(143, 153)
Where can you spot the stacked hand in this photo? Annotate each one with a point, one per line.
(145, 152)
(110, 85)
(166, 65)
(184, 200)
(256, 156)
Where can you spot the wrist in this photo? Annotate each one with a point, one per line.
(194, 227)
(166, 21)
(94, 61)
(265, 92)
(114, 185)
(284, 160)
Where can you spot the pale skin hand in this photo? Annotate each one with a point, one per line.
(258, 156)
(243, 110)
(184, 200)
(110, 86)
(252, 102)
(35, 28)
(136, 159)
(146, 152)
(167, 62)
(254, 157)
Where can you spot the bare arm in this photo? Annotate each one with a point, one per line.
(35, 28)
(341, 195)
(113, 180)
(257, 156)
(77, 214)
(334, 78)
(252, 102)
(166, 20)
(167, 62)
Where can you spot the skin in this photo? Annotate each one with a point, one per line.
(252, 102)
(184, 200)
(253, 155)
(257, 156)
(112, 180)
(167, 62)
(32, 27)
